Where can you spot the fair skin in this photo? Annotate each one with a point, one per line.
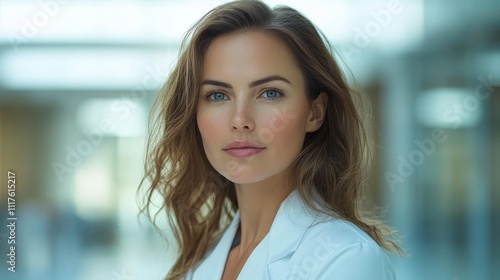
(253, 115)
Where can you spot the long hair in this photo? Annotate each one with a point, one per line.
(198, 201)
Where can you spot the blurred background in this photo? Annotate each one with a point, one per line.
(77, 79)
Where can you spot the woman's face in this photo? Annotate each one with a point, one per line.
(253, 112)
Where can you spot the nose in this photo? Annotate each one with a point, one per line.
(242, 119)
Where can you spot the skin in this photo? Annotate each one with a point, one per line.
(235, 104)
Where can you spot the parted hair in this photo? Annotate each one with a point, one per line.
(328, 173)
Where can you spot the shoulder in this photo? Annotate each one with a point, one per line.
(338, 249)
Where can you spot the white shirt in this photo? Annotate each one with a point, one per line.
(301, 245)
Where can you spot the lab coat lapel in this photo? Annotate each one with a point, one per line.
(290, 224)
(213, 266)
(283, 239)
(270, 258)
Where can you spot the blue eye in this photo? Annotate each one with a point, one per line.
(216, 96)
(272, 94)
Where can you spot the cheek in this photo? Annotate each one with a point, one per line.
(284, 127)
(204, 125)
(210, 126)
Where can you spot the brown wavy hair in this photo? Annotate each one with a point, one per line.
(198, 201)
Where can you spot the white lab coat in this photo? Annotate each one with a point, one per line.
(301, 245)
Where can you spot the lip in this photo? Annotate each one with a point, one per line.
(243, 149)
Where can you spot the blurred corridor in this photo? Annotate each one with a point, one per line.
(77, 79)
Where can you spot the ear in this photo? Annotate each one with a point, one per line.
(317, 112)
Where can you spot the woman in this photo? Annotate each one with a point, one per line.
(257, 128)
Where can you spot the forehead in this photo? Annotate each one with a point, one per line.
(249, 56)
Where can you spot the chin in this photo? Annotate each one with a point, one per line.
(240, 175)
(246, 176)
(243, 179)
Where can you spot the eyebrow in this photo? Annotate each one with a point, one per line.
(250, 85)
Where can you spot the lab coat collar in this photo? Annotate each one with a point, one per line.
(213, 266)
(291, 222)
(287, 230)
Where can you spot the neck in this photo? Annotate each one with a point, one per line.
(258, 204)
